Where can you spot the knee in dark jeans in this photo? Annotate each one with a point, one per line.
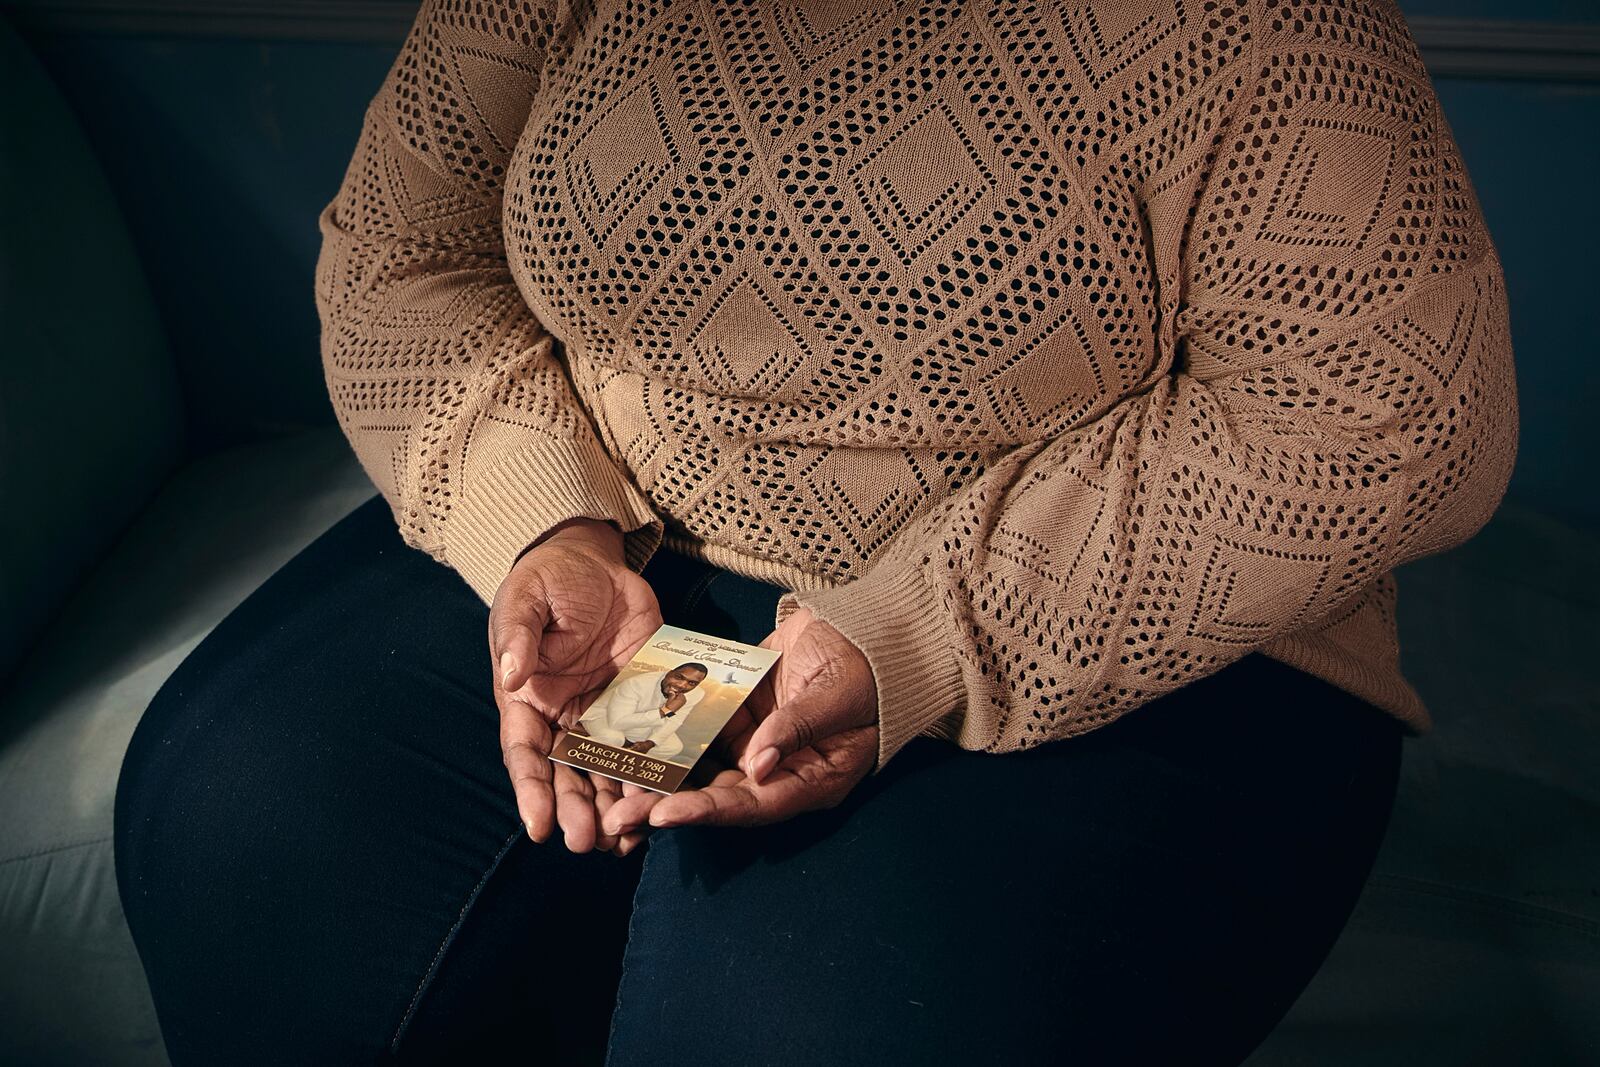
(223, 827)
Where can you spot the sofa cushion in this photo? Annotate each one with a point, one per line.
(90, 418)
(219, 528)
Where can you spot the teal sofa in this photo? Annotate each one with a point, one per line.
(1477, 939)
(118, 553)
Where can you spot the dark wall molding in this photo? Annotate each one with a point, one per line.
(1451, 47)
(1508, 48)
(360, 21)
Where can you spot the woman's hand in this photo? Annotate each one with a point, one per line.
(802, 740)
(563, 623)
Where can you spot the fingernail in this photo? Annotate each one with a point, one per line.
(508, 663)
(764, 761)
(659, 820)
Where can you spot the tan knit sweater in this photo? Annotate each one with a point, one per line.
(1057, 353)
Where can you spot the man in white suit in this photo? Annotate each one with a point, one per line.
(644, 713)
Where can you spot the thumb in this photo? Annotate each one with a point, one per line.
(797, 724)
(516, 630)
(519, 651)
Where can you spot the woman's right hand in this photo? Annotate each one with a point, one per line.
(563, 623)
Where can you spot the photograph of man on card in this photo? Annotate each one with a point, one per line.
(645, 712)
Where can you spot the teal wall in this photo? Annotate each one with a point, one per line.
(224, 151)
(1533, 156)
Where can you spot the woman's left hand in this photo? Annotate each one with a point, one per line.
(806, 735)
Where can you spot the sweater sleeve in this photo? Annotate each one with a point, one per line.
(447, 386)
(1336, 398)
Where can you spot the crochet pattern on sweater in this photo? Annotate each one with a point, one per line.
(1057, 353)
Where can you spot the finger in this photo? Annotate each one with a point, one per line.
(740, 725)
(515, 642)
(574, 807)
(736, 802)
(607, 791)
(525, 750)
(760, 701)
(724, 754)
(628, 842)
(806, 782)
(516, 621)
(798, 724)
(734, 739)
(631, 812)
(570, 712)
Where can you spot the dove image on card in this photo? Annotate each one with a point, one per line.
(664, 709)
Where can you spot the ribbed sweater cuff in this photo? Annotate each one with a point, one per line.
(510, 503)
(892, 615)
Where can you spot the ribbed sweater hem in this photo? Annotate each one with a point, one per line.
(1311, 651)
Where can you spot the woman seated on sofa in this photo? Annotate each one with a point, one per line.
(1056, 395)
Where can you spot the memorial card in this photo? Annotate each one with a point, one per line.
(655, 720)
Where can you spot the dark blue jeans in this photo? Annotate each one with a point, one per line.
(319, 855)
